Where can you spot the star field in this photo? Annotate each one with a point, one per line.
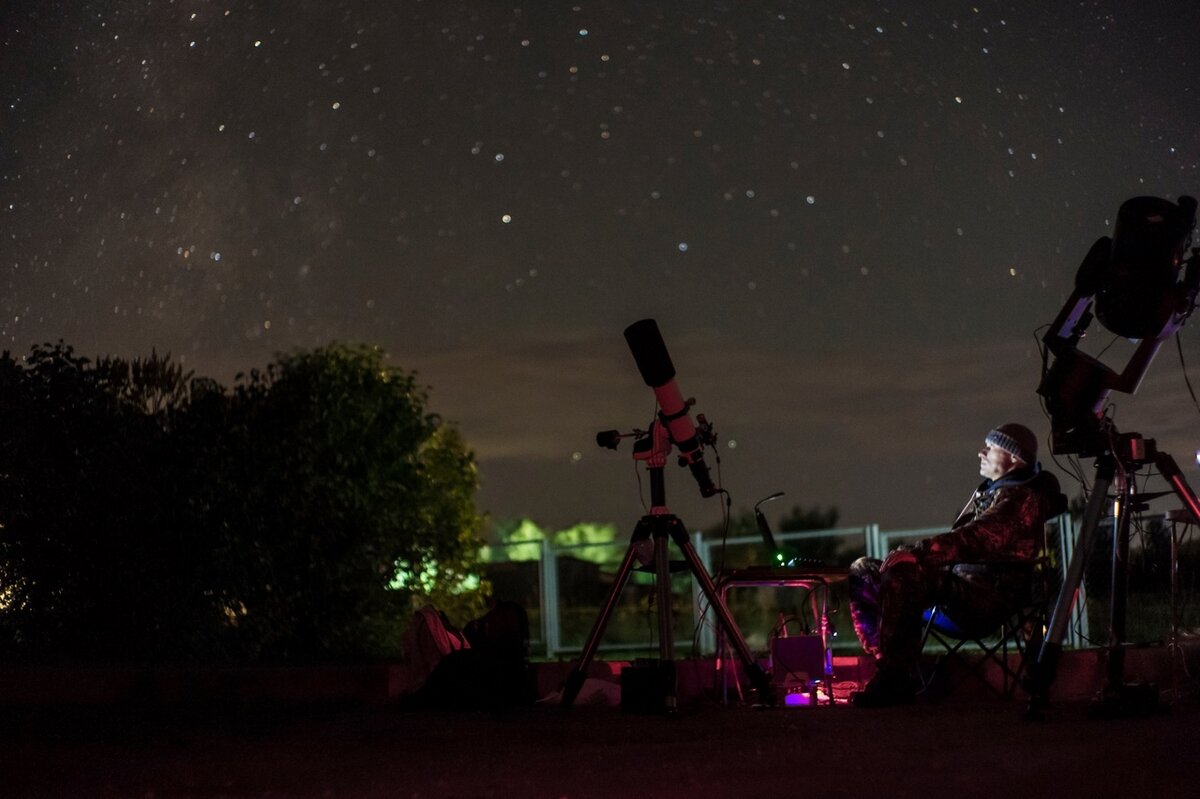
(848, 218)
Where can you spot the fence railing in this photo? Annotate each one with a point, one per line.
(564, 587)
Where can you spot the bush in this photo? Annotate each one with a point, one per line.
(149, 515)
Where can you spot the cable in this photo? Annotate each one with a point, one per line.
(641, 490)
(701, 623)
(1183, 368)
(1108, 346)
(1043, 349)
(725, 522)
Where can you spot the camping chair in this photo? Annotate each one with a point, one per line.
(977, 646)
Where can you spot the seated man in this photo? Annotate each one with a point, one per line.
(1003, 520)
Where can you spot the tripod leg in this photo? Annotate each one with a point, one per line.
(666, 626)
(1119, 592)
(1166, 464)
(579, 673)
(1044, 669)
(757, 676)
(662, 573)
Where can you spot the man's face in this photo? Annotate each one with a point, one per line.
(994, 462)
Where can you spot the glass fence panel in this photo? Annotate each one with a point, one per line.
(585, 578)
(514, 572)
(565, 594)
(1153, 611)
(838, 548)
(761, 611)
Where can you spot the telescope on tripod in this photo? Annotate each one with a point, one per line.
(1140, 286)
(671, 427)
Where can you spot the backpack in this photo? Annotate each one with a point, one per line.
(427, 641)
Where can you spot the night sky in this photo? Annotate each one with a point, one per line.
(848, 218)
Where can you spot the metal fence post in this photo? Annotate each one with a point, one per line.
(873, 542)
(1077, 633)
(707, 641)
(548, 574)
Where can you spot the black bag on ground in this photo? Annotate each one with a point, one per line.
(493, 673)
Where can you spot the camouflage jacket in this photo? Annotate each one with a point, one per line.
(1004, 520)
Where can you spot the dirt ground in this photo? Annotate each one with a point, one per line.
(957, 747)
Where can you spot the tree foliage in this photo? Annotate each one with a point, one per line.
(521, 539)
(151, 515)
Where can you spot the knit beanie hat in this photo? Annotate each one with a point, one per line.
(1015, 439)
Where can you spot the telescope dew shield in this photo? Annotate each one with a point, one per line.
(1135, 294)
(653, 361)
(650, 352)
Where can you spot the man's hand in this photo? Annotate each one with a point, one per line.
(933, 552)
(901, 554)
